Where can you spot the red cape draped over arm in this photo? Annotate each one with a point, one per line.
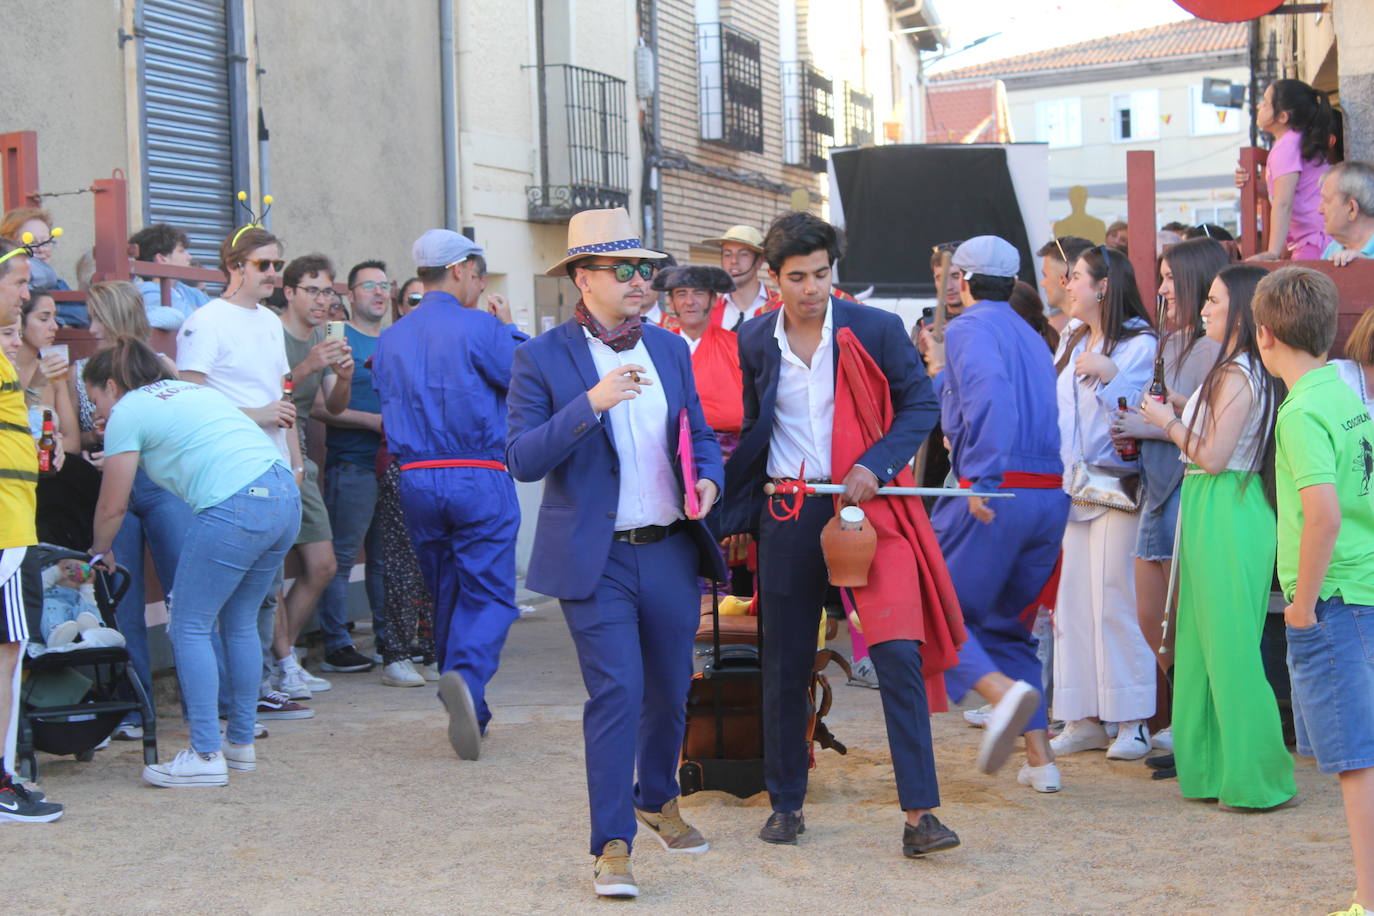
(909, 593)
(715, 364)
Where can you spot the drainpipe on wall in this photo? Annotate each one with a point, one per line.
(448, 103)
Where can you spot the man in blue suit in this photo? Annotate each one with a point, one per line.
(595, 407)
(788, 359)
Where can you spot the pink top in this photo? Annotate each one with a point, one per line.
(1305, 235)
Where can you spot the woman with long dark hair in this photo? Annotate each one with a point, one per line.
(1185, 355)
(194, 443)
(1103, 669)
(1226, 721)
(1300, 120)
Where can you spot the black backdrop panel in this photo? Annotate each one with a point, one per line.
(899, 201)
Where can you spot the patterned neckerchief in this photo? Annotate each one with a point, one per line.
(621, 338)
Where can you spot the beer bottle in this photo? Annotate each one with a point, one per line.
(1128, 449)
(1158, 390)
(47, 446)
(288, 388)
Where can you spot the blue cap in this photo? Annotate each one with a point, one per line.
(442, 247)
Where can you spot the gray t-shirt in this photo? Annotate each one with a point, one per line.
(1160, 470)
(304, 386)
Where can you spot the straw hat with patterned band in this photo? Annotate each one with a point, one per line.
(747, 236)
(601, 234)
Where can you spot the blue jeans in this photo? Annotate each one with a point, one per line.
(350, 494)
(229, 558)
(1331, 668)
(160, 519)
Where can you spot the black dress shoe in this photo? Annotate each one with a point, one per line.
(783, 828)
(1160, 762)
(927, 836)
(1167, 773)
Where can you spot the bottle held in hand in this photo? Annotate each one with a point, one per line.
(47, 446)
(1128, 449)
(1158, 391)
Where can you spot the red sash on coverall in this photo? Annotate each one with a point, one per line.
(909, 593)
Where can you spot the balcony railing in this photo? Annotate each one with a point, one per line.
(858, 116)
(730, 80)
(584, 162)
(808, 115)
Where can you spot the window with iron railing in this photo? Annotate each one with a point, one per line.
(730, 80)
(858, 116)
(584, 163)
(808, 115)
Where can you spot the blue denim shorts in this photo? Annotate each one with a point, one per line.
(1331, 666)
(1154, 539)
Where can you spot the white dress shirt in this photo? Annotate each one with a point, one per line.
(804, 414)
(692, 344)
(730, 314)
(649, 491)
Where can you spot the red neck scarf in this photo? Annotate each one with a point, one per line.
(621, 338)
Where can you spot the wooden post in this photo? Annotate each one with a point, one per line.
(19, 161)
(111, 227)
(1252, 199)
(1140, 221)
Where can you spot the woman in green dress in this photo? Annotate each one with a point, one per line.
(1228, 743)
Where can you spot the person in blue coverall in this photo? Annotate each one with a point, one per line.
(999, 412)
(596, 406)
(441, 374)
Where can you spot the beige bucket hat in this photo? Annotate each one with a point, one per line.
(601, 234)
(747, 236)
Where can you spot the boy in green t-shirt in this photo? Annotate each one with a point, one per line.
(1323, 468)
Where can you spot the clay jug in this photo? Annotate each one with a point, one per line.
(848, 542)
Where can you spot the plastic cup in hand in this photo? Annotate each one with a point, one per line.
(62, 350)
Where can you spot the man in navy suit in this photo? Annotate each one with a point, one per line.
(788, 359)
(595, 407)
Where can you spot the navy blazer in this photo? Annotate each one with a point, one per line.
(554, 435)
(915, 408)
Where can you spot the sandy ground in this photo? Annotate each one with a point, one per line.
(365, 809)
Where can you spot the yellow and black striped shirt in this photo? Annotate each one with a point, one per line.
(18, 464)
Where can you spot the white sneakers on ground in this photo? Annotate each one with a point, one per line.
(1041, 779)
(1080, 735)
(1163, 741)
(865, 675)
(189, 768)
(1132, 742)
(240, 756)
(402, 674)
(1008, 721)
(979, 717)
(291, 678)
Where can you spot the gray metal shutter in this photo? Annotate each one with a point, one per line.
(188, 136)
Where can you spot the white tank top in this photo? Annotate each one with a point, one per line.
(1257, 425)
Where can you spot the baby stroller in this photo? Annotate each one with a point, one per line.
(77, 727)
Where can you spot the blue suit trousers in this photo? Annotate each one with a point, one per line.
(634, 644)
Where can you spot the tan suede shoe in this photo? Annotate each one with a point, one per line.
(672, 831)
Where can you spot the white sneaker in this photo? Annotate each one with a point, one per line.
(1041, 779)
(864, 674)
(1132, 742)
(979, 717)
(292, 682)
(240, 756)
(64, 633)
(1009, 718)
(1163, 741)
(103, 638)
(1080, 735)
(127, 731)
(188, 769)
(402, 674)
(428, 672)
(87, 621)
(1110, 728)
(315, 683)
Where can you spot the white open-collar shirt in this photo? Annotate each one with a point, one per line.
(648, 485)
(804, 412)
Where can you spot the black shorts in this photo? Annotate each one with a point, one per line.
(14, 623)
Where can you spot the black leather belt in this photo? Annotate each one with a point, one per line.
(649, 534)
